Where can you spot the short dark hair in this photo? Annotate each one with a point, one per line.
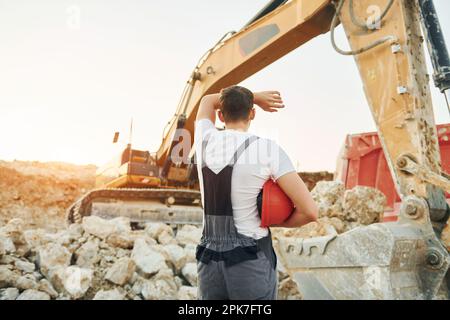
(236, 103)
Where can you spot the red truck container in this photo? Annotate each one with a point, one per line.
(362, 162)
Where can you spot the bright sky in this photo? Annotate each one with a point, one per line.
(65, 87)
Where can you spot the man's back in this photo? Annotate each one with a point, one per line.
(262, 160)
(235, 256)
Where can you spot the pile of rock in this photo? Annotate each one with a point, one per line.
(99, 259)
(341, 210)
(105, 259)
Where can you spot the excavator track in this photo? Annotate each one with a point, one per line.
(83, 206)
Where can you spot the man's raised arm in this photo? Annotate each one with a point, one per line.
(269, 101)
(208, 106)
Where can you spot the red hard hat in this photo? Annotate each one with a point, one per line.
(274, 205)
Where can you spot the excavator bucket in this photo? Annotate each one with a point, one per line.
(395, 260)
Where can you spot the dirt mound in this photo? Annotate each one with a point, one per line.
(56, 170)
(39, 193)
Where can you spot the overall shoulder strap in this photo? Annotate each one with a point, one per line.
(242, 148)
(204, 144)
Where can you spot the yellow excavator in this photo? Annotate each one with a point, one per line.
(400, 260)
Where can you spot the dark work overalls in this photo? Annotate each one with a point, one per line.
(231, 265)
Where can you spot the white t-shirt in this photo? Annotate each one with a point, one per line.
(261, 161)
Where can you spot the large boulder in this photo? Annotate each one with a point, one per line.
(176, 255)
(52, 256)
(75, 230)
(113, 294)
(7, 277)
(6, 245)
(14, 231)
(7, 259)
(102, 228)
(178, 282)
(121, 272)
(88, 254)
(358, 206)
(36, 237)
(328, 196)
(72, 280)
(26, 282)
(166, 237)
(142, 234)
(148, 261)
(138, 284)
(154, 229)
(45, 286)
(364, 205)
(189, 272)
(187, 293)
(190, 251)
(166, 274)
(62, 237)
(188, 234)
(24, 266)
(158, 289)
(120, 240)
(9, 294)
(32, 294)
(336, 223)
(123, 224)
(3, 246)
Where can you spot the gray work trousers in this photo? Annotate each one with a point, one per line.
(247, 280)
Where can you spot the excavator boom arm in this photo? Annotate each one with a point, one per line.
(386, 41)
(243, 54)
(388, 50)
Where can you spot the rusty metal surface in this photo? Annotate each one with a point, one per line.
(366, 246)
(401, 260)
(375, 262)
(83, 206)
(396, 84)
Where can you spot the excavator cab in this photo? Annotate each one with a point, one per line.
(130, 169)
